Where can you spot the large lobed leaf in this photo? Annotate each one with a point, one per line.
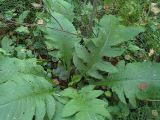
(60, 6)
(58, 112)
(11, 68)
(84, 104)
(89, 60)
(25, 92)
(136, 80)
(61, 35)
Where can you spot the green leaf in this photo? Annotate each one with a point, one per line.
(23, 16)
(6, 44)
(2, 0)
(108, 93)
(116, 33)
(25, 92)
(3, 52)
(2, 24)
(22, 29)
(85, 105)
(119, 110)
(58, 114)
(61, 35)
(70, 92)
(133, 47)
(61, 7)
(135, 80)
(88, 58)
(11, 68)
(75, 79)
(10, 14)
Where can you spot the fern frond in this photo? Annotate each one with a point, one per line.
(25, 92)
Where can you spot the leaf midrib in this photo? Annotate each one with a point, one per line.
(38, 94)
(122, 81)
(97, 55)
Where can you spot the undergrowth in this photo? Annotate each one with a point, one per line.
(79, 60)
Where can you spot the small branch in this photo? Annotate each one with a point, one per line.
(11, 22)
(33, 25)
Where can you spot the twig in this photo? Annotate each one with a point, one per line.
(32, 25)
(25, 24)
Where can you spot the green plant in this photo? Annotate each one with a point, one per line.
(69, 76)
(89, 60)
(135, 80)
(26, 92)
(84, 104)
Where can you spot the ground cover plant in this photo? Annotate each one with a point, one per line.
(79, 60)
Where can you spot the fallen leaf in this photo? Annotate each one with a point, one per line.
(55, 81)
(127, 57)
(40, 22)
(106, 7)
(154, 8)
(155, 113)
(151, 52)
(36, 5)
